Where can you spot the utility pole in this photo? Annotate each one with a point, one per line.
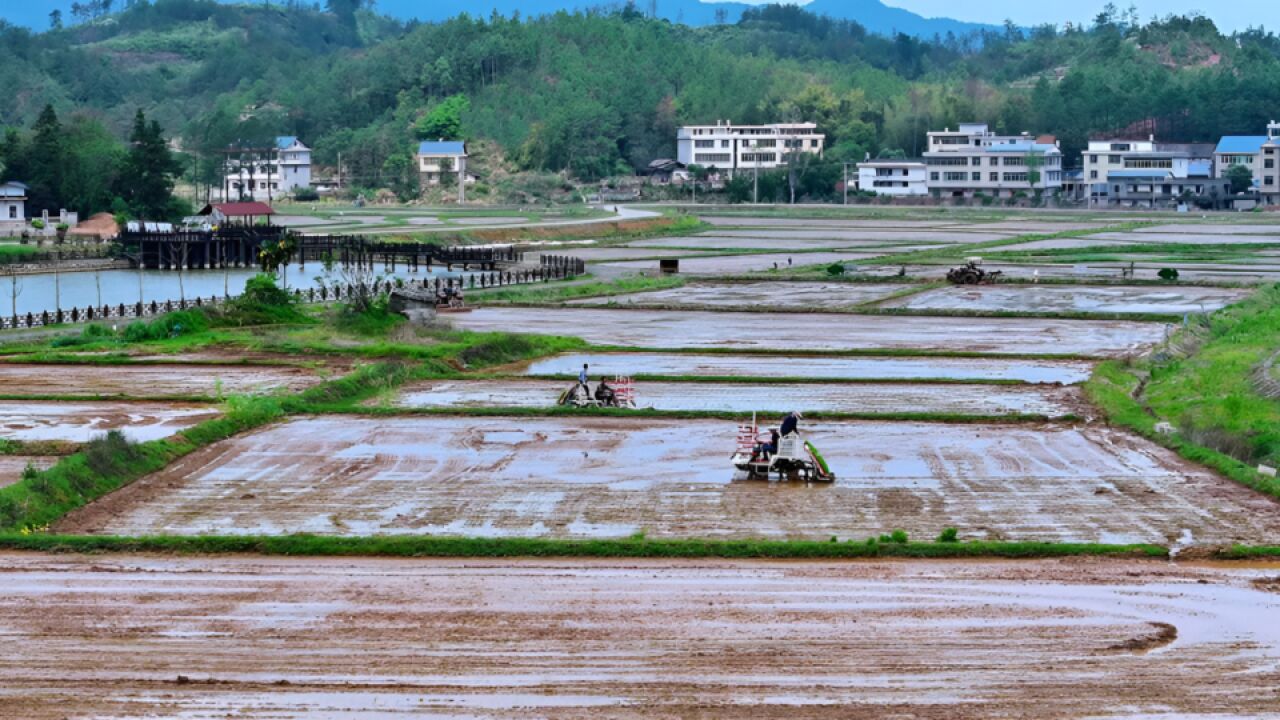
(755, 183)
(339, 171)
(846, 183)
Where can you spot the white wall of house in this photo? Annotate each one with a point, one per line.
(898, 178)
(732, 148)
(268, 176)
(973, 159)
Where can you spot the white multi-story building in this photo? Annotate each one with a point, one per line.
(973, 160)
(896, 178)
(728, 147)
(1147, 173)
(267, 174)
(1260, 153)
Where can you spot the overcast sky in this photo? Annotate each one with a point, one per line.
(1229, 15)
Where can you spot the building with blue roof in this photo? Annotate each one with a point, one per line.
(442, 162)
(973, 160)
(1259, 153)
(1144, 173)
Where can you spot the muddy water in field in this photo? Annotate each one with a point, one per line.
(779, 397)
(958, 235)
(1074, 298)
(716, 242)
(738, 264)
(830, 368)
(762, 295)
(611, 477)
(798, 332)
(260, 638)
(11, 466)
(81, 421)
(150, 380)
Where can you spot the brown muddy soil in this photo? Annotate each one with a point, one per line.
(11, 466)
(799, 332)
(761, 295)
(148, 380)
(957, 399)
(612, 477)
(374, 639)
(81, 421)
(1072, 298)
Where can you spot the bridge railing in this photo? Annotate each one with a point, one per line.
(552, 268)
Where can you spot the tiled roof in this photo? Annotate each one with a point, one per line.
(284, 142)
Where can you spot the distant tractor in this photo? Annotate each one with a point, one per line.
(971, 273)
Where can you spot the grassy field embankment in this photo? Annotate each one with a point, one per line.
(1204, 384)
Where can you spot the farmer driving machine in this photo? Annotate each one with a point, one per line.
(621, 393)
(971, 273)
(761, 454)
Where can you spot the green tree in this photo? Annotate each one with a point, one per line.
(46, 162)
(146, 181)
(444, 121)
(1241, 177)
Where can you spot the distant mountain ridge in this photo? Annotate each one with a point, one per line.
(874, 15)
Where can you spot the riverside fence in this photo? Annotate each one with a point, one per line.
(551, 267)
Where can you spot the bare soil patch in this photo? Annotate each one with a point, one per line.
(612, 477)
(11, 466)
(739, 264)
(147, 380)
(112, 636)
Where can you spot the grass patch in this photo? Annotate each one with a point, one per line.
(633, 547)
(561, 291)
(1207, 393)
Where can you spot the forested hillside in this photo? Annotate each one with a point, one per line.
(601, 93)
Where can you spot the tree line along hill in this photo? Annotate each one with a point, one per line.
(592, 94)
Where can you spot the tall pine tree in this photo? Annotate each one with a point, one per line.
(46, 163)
(149, 170)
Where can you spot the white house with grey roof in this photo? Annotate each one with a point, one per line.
(13, 206)
(265, 174)
(973, 160)
(1146, 173)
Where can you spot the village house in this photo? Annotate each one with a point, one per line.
(973, 160)
(440, 161)
(13, 207)
(895, 178)
(734, 148)
(266, 174)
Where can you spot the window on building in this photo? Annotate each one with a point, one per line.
(1270, 180)
(704, 143)
(1015, 177)
(13, 212)
(955, 176)
(1014, 161)
(1269, 163)
(993, 161)
(1093, 174)
(724, 143)
(1113, 159)
(948, 161)
(713, 158)
(1093, 159)
(767, 143)
(995, 177)
(813, 143)
(977, 177)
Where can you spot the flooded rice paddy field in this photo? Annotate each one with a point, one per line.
(588, 477)
(798, 332)
(111, 636)
(993, 400)
(143, 381)
(948, 236)
(811, 366)
(77, 422)
(1073, 298)
(761, 295)
(738, 264)
(714, 242)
